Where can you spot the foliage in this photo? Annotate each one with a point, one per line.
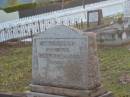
(19, 7)
(118, 18)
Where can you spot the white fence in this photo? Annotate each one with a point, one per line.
(28, 26)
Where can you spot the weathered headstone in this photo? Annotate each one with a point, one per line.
(126, 14)
(94, 16)
(65, 64)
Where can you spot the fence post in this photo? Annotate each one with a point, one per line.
(31, 35)
(81, 23)
(39, 26)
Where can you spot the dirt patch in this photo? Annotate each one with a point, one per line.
(124, 78)
(6, 47)
(12, 95)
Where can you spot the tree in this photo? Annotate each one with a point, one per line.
(12, 2)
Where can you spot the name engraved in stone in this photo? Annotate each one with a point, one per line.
(57, 43)
(56, 61)
(50, 55)
(57, 50)
(55, 54)
(36, 96)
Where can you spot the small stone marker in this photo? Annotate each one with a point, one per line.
(126, 14)
(65, 64)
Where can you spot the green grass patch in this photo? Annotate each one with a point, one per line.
(15, 69)
(114, 63)
(19, 7)
(106, 21)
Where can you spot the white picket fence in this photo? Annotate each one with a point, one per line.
(32, 25)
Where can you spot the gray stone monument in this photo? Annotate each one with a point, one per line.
(127, 14)
(94, 16)
(65, 65)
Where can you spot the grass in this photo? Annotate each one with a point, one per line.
(106, 21)
(114, 63)
(15, 69)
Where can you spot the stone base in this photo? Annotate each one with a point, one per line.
(69, 92)
(34, 94)
(108, 94)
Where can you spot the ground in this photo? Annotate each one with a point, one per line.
(114, 63)
(15, 69)
(16, 64)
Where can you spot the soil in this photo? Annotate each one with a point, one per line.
(125, 78)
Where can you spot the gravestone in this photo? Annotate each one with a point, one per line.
(94, 16)
(65, 64)
(127, 14)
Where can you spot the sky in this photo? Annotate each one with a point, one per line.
(6, 3)
(8, 16)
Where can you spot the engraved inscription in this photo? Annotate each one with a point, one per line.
(57, 43)
(55, 54)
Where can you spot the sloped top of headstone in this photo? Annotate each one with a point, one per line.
(61, 31)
